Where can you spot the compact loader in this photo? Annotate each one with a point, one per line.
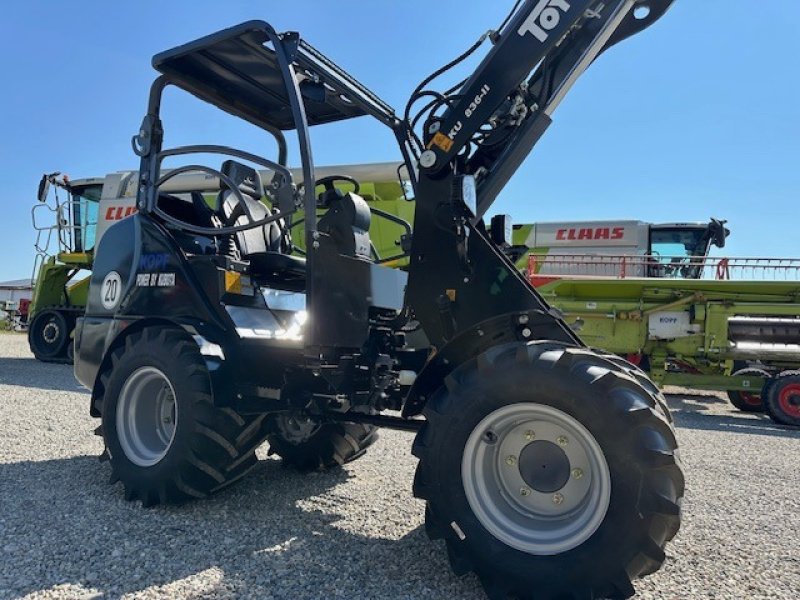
(549, 469)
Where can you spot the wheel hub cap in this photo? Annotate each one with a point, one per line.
(544, 466)
(536, 478)
(50, 332)
(789, 399)
(146, 416)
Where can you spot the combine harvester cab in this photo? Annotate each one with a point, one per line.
(727, 324)
(559, 248)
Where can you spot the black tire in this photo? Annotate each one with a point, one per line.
(328, 445)
(49, 334)
(782, 400)
(641, 376)
(626, 420)
(748, 401)
(211, 447)
(71, 350)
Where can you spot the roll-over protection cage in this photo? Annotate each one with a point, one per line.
(275, 81)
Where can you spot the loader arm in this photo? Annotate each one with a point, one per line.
(471, 150)
(537, 57)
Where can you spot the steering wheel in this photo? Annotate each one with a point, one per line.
(330, 190)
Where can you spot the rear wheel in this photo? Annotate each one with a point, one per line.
(165, 439)
(307, 445)
(551, 472)
(748, 401)
(782, 401)
(49, 334)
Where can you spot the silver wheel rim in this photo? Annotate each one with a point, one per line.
(50, 332)
(497, 473)
(146, 416)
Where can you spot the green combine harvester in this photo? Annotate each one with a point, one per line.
(653, 294)
(707, 323)
(65, 241)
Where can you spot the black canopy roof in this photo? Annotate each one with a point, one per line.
(237, 70)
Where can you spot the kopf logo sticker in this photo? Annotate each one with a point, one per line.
(544, 17)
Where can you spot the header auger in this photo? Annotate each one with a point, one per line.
(550, 470)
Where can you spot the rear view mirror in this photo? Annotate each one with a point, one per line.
(44, 188)
(501, 230)
(44, 184)
(718, 232)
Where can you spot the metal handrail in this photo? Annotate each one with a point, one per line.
(59, 234)
(621, 266)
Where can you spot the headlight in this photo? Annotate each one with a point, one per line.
(469, 193)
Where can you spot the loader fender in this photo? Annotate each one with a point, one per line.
(139, 270)
(517, 326)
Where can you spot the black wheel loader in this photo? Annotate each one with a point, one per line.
(548, 469)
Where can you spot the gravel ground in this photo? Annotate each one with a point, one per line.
(354, 532)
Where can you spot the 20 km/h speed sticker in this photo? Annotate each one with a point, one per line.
(111, 290)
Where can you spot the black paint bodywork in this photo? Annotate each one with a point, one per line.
(195, 303)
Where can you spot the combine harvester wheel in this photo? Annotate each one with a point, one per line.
(748, 401)
(782, 400)
(49, 335)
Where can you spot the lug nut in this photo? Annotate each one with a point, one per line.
(530, 434)
(511, 460)
(525, 492)
(562, 440)
(577, 473)
(558, 498)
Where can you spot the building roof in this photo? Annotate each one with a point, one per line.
(17, 284)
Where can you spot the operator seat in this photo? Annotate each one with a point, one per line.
(347, 223)
(264, 247)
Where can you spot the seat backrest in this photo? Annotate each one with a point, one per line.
(347, 222)
(189, 208)
(250, 208)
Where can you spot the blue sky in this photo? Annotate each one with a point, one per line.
(693, 118)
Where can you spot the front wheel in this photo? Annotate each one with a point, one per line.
(550, 471)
